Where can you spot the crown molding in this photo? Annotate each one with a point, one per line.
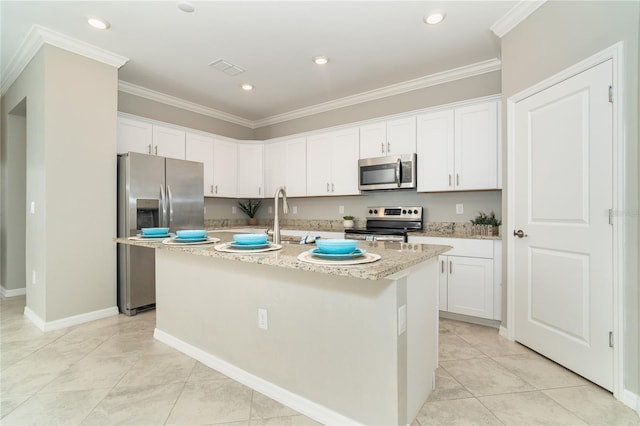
(383, 92)
(38, 36)
(152, 95)
(515, 15)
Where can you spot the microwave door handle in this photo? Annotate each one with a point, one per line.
(163, 222)
(399, 172)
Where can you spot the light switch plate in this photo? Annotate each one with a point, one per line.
(459, 208)
(263, 319)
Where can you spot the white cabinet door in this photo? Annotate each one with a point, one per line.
(476, 147)
(373, 140)
(168, 142)
(275, 167)
(442, 283)
(319, 159)
(250, 170)
(225, 162)
(435, 151)
(401, 136)
(134, 136)
(285, 165)
(200, 148)
(392, 137)
(344, 164)
(470, 286)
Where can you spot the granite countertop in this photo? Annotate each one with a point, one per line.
(396, 257)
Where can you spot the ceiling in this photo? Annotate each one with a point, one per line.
(371, 45)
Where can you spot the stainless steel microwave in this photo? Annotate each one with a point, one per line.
(387, 173)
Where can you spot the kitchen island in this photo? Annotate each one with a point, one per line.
(340, 344)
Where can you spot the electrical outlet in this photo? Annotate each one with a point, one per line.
(270, 210)
(294, 209)
(402, 319)
(341, 209)
(459, 209)
(263, 319)
(33, 278)
(234, 210)
(32, 208)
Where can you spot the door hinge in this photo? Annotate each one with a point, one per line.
(611, 94)
(611, 339)
(610, 216)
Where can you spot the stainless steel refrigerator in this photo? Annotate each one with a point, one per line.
(152, 192)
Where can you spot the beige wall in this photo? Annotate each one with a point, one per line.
(455, 91)
(556, 36)
(71, 177)
(142, 107)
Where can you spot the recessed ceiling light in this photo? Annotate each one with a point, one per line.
(98, 23)
(321, 60)
(434, 17)
(186, 6)
(246, 86)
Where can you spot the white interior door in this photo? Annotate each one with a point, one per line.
(563, 192)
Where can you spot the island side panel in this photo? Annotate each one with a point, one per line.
(331, 339)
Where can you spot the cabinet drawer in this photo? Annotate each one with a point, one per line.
(461, 246)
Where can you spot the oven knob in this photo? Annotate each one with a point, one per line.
(375, 211)
(415, 212)
(404, 212)
(370, 211)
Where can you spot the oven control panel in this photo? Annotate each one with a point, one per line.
(394, 213)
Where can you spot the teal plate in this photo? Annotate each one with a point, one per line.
(338, 256)
(189, 240)
(235, 245)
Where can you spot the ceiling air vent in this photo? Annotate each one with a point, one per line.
(226, 67)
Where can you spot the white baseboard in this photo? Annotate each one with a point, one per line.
(309, 408)
(69, 321)
(504, 332)
(631, 400)
(12, 292)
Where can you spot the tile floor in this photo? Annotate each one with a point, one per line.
(112, 372)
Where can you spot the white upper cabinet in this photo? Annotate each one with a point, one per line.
(476, 155)
(147, 138)
(332, 163)
(225, 162)
(200, 148)
(250, 170)
(285, 165)
(458, 149)
(392, 137)
(134, 136)
(169, 142)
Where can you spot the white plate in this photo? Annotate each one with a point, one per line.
(226, 249)
(309, 257)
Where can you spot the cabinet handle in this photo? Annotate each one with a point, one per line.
(457, 179)
(388, 146)
(382, 147)
(450, 266)
(333, 189)
(156, 147)
(216, 189)
(212, 189)
(149, 149)
(442, 266)
(449, 179)
(260, 190)
(327, 186)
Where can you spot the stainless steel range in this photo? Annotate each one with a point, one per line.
(388, 224)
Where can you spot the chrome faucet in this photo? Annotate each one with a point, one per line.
(285, 210)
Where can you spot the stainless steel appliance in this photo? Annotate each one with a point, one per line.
(388, 224)
(387, 173)
(152, 192)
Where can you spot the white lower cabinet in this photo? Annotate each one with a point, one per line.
(470, 276)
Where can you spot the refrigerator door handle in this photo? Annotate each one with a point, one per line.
(170, 206)
(163, 222)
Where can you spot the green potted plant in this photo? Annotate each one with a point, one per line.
(348, 221)
(486, 224)
(250, 208)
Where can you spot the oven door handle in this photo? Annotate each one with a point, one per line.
(399, 172)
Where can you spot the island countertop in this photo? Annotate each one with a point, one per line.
(395, 257)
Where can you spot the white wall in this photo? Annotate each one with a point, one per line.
(556, 36)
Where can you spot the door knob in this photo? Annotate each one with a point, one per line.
(519, 233)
